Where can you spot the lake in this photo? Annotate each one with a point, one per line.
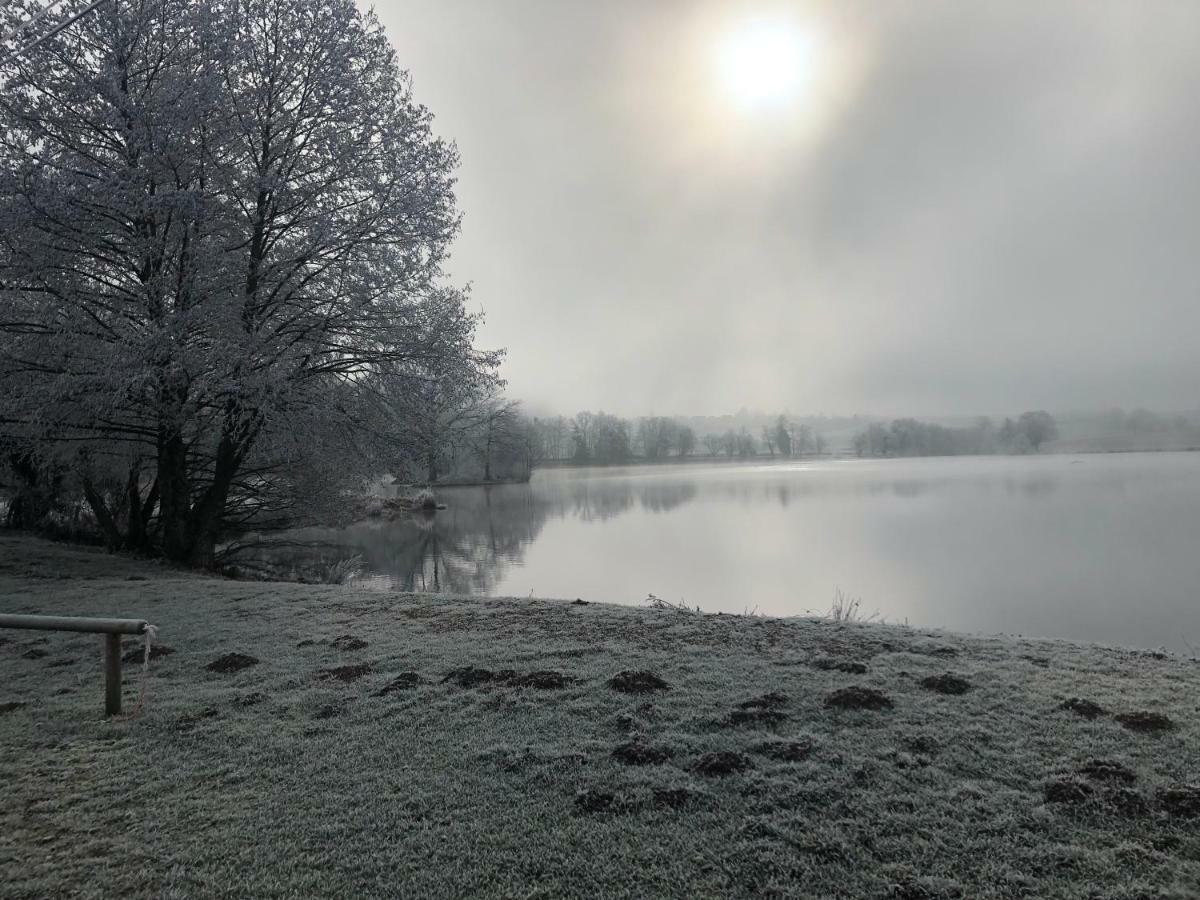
(1094, 547)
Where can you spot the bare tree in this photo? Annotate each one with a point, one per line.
(685, 441)
(768, 438)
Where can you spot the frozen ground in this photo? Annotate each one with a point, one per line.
(346, 763)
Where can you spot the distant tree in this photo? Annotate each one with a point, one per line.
(909, 437)
(744, 442)
(656, 436)
(873, 441)
(729, 443)
(500, 431)
(552, 436)
(714, 443)
(802, 440)
(610, 440)
(782, 436)
(685, 441)
(768, 437)
(1038, 428)
(581, 438)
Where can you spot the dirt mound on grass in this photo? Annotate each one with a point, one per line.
(766, 701)
(543, 680)
(405, 681)
(1182, 801)
(1082, 707)
(157, 651)
(1145, 722)
(1126, 802)
(627, 721)
(470, 676)
(722, 762)
(345, 673)
(858, 698)
(1067, 790)
(12, 706)
(595, 801)
(946, 684)
(784, 751)
(637, 682)
(231, 662)
(921, 743)
(636, 753)
(1108, 770)
(829, 664)
(349, 642)
(672, 798)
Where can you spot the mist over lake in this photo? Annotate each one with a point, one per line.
(1097, 547)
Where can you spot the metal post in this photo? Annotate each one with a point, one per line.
(112, 674)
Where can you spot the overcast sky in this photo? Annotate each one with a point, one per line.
(949, 207)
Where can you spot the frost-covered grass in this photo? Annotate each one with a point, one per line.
(281, 781)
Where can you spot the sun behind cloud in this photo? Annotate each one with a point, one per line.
(765, 63)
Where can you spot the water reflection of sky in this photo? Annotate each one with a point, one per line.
(1096, 547)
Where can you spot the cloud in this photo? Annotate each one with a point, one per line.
(998, 210)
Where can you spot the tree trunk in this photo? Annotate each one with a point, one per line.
(174, 496)
(204, 525)
(137, 538)
(104, 516)
(36, 491)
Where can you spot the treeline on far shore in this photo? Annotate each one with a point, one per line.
(1028, 433)
(601, 439)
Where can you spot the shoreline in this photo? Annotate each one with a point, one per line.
(838, 456)
(439, 746)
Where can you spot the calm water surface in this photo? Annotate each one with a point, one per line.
(1096, 547)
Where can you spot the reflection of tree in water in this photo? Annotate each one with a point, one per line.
(605, 498)
(593, 500)
(784, 491)
(469, 546)
(465, 548)
(666, 497)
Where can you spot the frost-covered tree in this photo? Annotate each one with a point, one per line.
(222, 226)
(656, 435)
(685, 440)
(1038, 427)
(782, 432)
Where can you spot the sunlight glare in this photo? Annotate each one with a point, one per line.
(766, 64)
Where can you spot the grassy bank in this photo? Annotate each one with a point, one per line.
(345, 763)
